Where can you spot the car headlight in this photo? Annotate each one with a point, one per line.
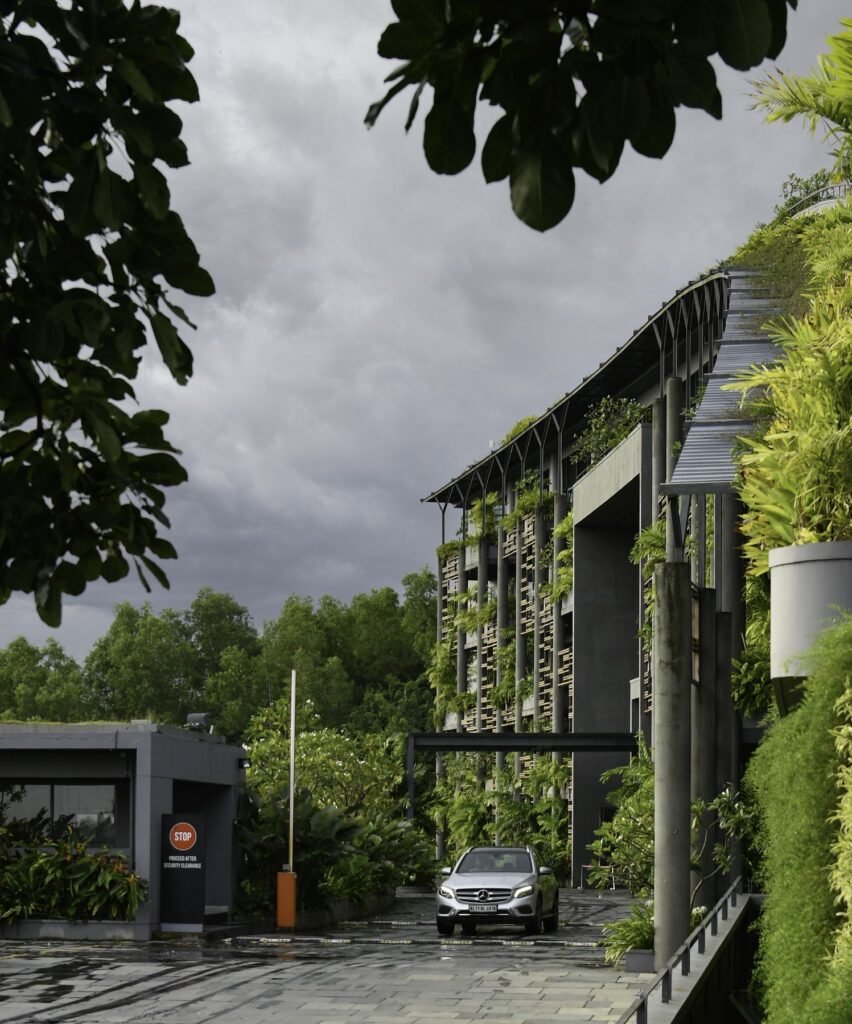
(523, 890)
(445, 890)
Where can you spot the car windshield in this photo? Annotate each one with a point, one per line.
(486, 862)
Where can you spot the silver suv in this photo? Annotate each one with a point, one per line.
(497, 885)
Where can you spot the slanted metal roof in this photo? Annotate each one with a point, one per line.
(620, 374)
(706, 462)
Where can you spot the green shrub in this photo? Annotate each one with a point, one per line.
(62, 878)
(796, 475)
(777, 252)
(633, 932)
(751, 686)
(607, 423)
(323, 837)
(624, 845)
(637, 930)
(796, 189)
(803, 968)
(519, 428)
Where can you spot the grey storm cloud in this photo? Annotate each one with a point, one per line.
(375, 326)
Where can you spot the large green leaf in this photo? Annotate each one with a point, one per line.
(175, 354)
(131, 74)
(404, 40)
(448, 139)
(497, 151)
(745, 32)
(79, 199)
(656, 137)
(693, 81)
(542, 187)
(112, 202)
(153, 189)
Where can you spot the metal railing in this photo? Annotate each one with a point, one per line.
(682, 957)
(837, 191)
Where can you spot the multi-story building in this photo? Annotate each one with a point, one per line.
(580, 661)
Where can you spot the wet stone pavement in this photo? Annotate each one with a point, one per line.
(391, 969)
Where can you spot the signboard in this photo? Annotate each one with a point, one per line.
(182, 873)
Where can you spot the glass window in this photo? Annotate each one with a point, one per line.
(50, 808)
(484, 862)
(88, 808)
(35, 801)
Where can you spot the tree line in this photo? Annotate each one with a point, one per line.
(361, 665)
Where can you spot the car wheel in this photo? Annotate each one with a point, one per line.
(468, 928)
(445, 927)
(533, 927)
(551, 922)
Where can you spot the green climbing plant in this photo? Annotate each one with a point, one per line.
(519, 428)
(606, 424)
(563, 582)
(530, 493)
(648, 550)
(530, 808)
(476, 528)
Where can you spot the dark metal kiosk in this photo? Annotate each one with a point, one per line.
(134, 783)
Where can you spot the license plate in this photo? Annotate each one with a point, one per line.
(483, 908)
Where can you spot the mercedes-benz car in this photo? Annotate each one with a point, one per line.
(497, 885)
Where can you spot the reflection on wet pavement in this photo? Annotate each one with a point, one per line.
(392, 969)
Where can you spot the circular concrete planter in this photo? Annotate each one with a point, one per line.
(810, 583)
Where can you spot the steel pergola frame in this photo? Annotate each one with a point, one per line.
(667, 335)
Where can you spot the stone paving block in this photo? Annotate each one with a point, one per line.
(16, 1009)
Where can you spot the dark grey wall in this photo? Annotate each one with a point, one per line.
(606, 617)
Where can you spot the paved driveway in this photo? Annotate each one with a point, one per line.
(391, 970)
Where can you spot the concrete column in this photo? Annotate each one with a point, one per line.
(440, 611)
(694, 571)
(734, 602)
(461, 656)
(658, 452)
(481, 597)
(733, 583)
(733, 579)
(502, 623)
(559, 509)
(674, 439)
(152, 799)
(703, 728)
(724, 719)
(520, 646)
(538, 579)
(716, 564)
(672, 686)
(440, 836)
(440, 832)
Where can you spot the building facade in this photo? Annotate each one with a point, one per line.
(550, 637)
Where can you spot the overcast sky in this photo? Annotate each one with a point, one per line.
(375, 325)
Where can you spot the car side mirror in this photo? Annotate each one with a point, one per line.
(544, 871)
(446, 871)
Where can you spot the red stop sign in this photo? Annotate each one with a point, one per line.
(182, 836)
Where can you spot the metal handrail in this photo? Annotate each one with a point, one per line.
(838, 190)
(682, 956)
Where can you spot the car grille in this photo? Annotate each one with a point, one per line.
(475, 895)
